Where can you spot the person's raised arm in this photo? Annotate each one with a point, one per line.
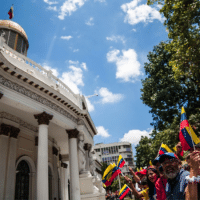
(134, 191)
(192, 188)
(135, 177)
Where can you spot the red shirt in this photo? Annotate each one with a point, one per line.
(160, 188)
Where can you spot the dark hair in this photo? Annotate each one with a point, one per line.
(150, 184)
(144, 181)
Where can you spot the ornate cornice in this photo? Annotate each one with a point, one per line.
(64, 165)
(87, 147)
(22, 90)
(9, 130)
(73, 133)
(55, 151)
(18, 120)
(43, 118)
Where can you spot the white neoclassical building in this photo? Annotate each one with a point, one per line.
(46, 132)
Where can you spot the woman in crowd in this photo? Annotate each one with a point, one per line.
(150, 192)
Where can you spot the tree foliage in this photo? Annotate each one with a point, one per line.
(164, 93)
(183, 24)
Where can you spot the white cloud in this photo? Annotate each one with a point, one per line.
(66, 37)
(142, 13)
(134, 30)
(73, 78)
(116, 38)
(102, 131)
(76, 63)
(54, 8)
(70, 6)
(75, 50)
(83, 65)
(108, 97)
(89, 105)
(101, 1)
(134, 136)
(54, 71)
(90, 22)
(128, 67)
(50, 2)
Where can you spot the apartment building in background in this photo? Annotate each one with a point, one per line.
(109, 153)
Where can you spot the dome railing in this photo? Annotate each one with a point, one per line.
(47, 73)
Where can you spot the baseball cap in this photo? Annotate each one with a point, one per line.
(156, 160)
(142, 172)
(167, 155)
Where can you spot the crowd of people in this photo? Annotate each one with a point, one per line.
(168, 177)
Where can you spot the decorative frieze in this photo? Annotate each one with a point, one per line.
(36, 97)
(43, 118)
(73, 133)
(18, 120)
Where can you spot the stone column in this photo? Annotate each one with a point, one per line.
(62, 180)
(11, 170)
(73, 162)
(65, 181)
(42, 159)
(55, 169)
(4, 138)
(87, 148)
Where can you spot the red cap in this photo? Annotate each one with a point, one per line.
(143, 172)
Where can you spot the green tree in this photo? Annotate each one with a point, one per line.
(164, 93)
(183, 24)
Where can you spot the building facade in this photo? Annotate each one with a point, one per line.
(109, 153)
(46, 132)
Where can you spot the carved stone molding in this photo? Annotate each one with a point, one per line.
(55, 151)
(87, 147)
(1, 95)
(43, 118)
(22, 90)
(9, 130)
(18, 120)
(73, 133)
(64, 165)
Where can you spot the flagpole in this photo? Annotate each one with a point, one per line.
(119, 182)
(159, 149)
(191, 137)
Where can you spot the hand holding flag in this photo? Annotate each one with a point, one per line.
(124, 191)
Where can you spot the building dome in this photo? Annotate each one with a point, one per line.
(15, 36)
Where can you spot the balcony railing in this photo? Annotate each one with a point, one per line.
(47, 73)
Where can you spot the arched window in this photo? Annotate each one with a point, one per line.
(22, 181)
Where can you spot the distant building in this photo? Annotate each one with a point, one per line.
(109, 153)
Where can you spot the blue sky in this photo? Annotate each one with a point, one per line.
(96, 47)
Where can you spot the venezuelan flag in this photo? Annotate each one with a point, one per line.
(186, 134)
(124, 191)
(11, 12)
(120, 162)
(110, 173)
(164, 149)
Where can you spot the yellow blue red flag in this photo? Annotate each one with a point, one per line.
(186, 134)
(164, 149)
(120, 162)
(124, 191)
(11, 12)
